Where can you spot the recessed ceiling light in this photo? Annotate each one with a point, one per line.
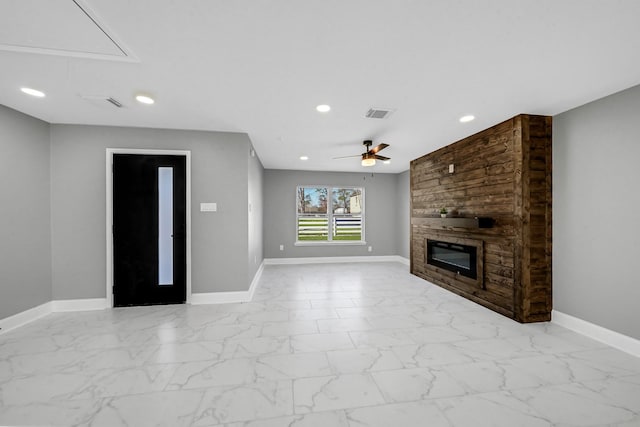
(465, 119)
(323, 108)
(32, 92)
(304, 158)
(145, 99)
(387, 162)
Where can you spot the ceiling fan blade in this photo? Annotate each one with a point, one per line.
(346, 157)
(382, 157)
(377, 148)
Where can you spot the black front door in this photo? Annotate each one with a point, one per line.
(149, 229)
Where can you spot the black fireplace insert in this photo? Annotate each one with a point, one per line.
(460, 259)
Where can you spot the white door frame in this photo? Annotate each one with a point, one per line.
(109, 178)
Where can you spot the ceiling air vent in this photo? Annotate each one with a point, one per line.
(114, 102)
(378, 113)
(100, 100)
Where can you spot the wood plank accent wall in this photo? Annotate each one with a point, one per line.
(504, 173)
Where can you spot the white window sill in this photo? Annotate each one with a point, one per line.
(330, 243)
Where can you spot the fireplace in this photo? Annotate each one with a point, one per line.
(459, 258)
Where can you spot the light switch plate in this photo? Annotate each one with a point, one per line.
(208, 207)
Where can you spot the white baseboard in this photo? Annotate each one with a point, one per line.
(24, 317)
(256, 279)
(55, 306)
(60, 306)
(87, 304)
(404, 260)
(229, 297)
(334, 259)
(614, 339)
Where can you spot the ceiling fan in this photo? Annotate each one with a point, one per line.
(370, 155)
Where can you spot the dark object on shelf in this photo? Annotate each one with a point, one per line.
(477, 222)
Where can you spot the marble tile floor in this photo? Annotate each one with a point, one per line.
(320, 345)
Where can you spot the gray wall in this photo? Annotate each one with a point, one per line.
(25, 233)
(404, 214)
(596, 201)
(78, 207)
(381, 213)
(256, 214)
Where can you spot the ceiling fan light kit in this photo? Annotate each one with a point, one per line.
(370, 156)
(368, 160)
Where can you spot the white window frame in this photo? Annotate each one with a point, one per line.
(330, 214)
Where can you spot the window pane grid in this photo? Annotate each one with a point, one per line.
(339, 217)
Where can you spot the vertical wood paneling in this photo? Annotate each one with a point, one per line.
(540, 218)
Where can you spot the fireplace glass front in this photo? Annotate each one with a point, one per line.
(460, 259)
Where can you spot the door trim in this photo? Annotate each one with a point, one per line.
(109, 223)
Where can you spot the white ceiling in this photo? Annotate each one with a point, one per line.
(261, 67)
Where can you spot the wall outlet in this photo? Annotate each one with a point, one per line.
(452, 168)
(370, 249)
(282, 247)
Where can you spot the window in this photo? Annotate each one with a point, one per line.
(330, 214)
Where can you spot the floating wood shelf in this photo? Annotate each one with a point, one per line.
(477, 222)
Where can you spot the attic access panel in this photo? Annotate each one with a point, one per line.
(57, 27)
